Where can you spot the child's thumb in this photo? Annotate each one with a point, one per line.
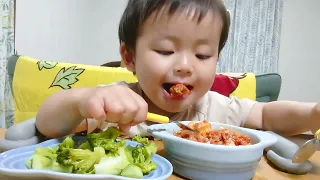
(125, 128)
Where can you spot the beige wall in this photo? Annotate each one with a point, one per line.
(299, 63)
(85, 31)
(77, 31)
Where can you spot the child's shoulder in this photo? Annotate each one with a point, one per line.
(213, 97)
(229, 110)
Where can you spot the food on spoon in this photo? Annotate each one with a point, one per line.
(179, 89)
(208, 135)
(101, 153)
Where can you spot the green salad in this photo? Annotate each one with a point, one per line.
(102, 153)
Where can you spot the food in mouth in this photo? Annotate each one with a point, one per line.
(205, 134)
(177, 89)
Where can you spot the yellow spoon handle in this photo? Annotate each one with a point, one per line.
(317, 134)
(157, 118)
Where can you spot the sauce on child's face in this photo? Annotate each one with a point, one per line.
(177, 49)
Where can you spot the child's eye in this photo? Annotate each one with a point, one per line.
(202, 57)
(165, 53)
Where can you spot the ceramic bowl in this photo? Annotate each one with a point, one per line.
(197, 160)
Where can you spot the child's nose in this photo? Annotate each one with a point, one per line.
(183, 66)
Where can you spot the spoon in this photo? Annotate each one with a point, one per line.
(307, 149)
(164, 119)
(183, 126)
(157, 118)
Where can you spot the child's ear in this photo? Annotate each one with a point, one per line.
(127, 58)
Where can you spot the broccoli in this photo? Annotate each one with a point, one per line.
(46, 152)
(39, 162)
(147, 166)
(110, 165)
(150, 149)
(85, 145)
(107, 140)
(43, 158)
(67, 143)
(140, 139)
(61, 168)
(113, 163)
(82, 161)
(141, 156)
(132, 171)
(101, 153)
(110, 145)
(110, 133)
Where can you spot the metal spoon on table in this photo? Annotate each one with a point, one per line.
(307, 149)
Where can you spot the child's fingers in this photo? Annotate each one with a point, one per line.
(83, 126)
(88, 125)
(124, 127)
(114, 112)
(131, 108)
(142, 112)
(95, 109)
(93, 124)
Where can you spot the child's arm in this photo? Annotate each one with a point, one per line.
(63, 111)
(285, 117)
(59, 114)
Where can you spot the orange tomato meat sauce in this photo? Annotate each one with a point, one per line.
(205, 134)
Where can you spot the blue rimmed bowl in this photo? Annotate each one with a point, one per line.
(12, 164)
(197, 160)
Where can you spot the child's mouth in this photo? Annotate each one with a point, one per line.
(176, 90)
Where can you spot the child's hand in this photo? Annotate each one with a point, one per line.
(315, 118)
(116, 104)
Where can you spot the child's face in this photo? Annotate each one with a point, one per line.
(177, 49)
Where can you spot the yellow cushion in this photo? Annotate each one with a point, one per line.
(35, 80)
(246, 87)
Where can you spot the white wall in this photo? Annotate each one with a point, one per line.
(85, 31)
(299, 63)
(77, 31)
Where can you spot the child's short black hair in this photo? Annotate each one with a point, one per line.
(137, 11)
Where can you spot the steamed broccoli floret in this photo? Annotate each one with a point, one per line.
(107, 140)
(39, 162)
(140, 139)
(67, 143)
(102, 153)
(141, 156)
(147, 166)
(85, 145)
(83, 161)
(61, 168)
(113, 163)
(150, 149)
(110, 133)
(110, 145)
(132, 171)
(46, 152)
(43, 158)
(110, 165)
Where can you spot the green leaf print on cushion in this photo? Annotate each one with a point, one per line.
(46, 65)
(67, 77)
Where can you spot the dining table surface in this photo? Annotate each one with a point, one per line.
(264, 170)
